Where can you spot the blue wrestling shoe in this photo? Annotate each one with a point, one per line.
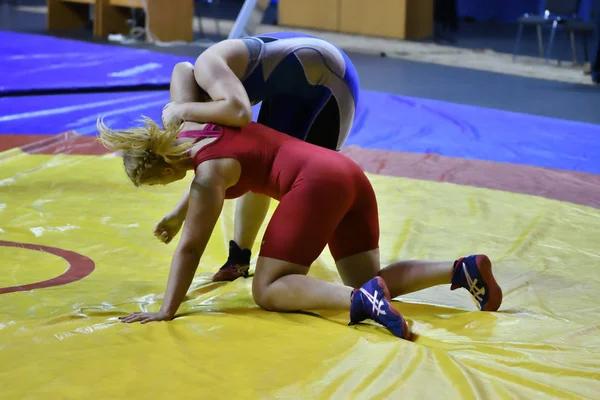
(372, 301)
(474, 273)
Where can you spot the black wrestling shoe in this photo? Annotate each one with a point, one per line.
(237, 265)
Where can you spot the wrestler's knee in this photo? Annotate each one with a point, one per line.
(263, 300)
(269, 290)
(263, 296)
(263, 279)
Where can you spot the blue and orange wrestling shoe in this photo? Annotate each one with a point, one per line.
(372, 301)
(237, 265)
(474, 273)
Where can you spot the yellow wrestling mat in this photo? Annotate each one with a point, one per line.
(65, 342)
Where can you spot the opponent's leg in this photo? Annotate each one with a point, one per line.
(250, 212)
(251, 209)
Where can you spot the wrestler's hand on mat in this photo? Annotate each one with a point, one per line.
(168, 227)
(144, 317)
(171, 114)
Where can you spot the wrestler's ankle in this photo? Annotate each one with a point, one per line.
(238, 254)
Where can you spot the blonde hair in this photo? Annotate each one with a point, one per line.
(144, 148)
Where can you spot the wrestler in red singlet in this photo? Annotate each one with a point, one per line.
(325, 198)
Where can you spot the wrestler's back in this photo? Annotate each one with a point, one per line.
(293, 63)
(272, 162)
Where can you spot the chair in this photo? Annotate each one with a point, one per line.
(574, 27)
(556, 12)
(595, 67)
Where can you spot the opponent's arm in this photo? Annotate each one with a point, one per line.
(230, 104)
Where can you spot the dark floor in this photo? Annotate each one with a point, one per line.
(478, 35)
(458, 85)
(480, 88)
(501, 37)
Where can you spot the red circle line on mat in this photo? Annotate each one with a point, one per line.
(80, 266)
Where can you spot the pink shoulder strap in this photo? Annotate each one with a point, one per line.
(209, 130)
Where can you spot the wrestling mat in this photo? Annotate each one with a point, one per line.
(78, 252)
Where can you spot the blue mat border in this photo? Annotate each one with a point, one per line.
(36, 64)
(383, 122)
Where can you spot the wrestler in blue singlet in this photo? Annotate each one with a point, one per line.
(308, 87)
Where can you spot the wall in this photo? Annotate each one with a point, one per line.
(509, 10)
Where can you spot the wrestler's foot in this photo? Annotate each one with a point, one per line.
(237, 264)
(372, 301)
(474, 273)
